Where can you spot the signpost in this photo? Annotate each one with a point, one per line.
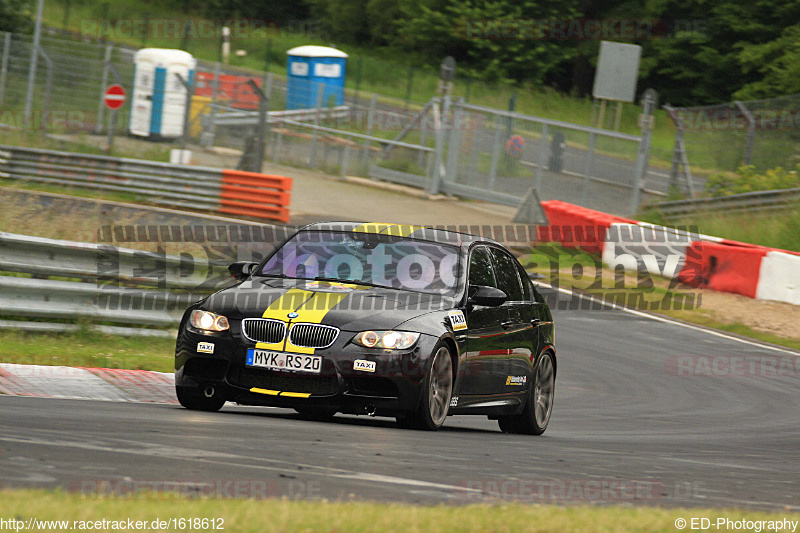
(114, 98)
(615, 77)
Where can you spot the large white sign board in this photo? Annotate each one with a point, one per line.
(617, 71)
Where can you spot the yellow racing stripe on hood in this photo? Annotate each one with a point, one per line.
(310, 306)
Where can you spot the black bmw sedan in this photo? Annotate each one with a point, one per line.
(378, 319)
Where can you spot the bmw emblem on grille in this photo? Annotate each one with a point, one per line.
(292, 315)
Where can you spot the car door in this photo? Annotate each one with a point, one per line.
(519, 332)
(487, 347)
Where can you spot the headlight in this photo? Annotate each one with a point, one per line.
(208, 321)
(391, 340)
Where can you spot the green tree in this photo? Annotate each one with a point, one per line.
(491, 39)
(16, 15)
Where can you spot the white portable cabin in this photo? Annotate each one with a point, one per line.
(159, 97)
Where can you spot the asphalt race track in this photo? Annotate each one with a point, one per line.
(633, 423)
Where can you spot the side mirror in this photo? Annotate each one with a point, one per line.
(241, 269)
(488, 296)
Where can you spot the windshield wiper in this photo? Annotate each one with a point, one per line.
(339, 280)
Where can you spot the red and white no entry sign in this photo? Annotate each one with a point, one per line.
(114, 96)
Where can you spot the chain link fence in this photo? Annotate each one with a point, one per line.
(445, 145)
(762, 133)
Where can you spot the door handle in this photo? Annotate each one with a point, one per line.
(506, 325)
(536, 321)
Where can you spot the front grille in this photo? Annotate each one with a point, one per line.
(284, 382)
(313, 335)
(264, 329)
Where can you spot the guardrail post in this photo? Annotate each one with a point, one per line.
(440, 122)
(4, 65)
(48, 89)
(37, 35)
(210, 132)
(367, 145)
(649, 103)
(589, 166)
(454, 144)
(751, 132)
(312, 160)
(101, 106)
(345, 162)
(543, 148)
(498, 141)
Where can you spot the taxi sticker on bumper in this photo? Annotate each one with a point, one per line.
(205, 347)
(364, 365)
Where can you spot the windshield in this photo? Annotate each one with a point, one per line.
(380, 260)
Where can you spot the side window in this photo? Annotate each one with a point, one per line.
(505, 268)
(526, 282)
(480, 268)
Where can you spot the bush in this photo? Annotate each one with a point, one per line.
(747, 179)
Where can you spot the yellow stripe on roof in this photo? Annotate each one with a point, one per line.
(395, 230)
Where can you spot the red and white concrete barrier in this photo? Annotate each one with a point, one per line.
(693, 258)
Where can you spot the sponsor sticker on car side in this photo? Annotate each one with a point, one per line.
(516, 380)
(457, 320)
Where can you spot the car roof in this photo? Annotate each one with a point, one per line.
(427, 233)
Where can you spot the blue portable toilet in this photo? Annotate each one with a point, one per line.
(159, 98)
(308, 66)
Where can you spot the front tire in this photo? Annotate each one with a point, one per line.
(534, 418)
(437, 388)
(195, 402)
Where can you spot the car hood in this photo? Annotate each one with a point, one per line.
(346, 306)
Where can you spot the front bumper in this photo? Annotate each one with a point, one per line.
(394, 386)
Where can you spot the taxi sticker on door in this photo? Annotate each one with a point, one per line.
(457, 320)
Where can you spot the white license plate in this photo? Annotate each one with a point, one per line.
(284, 361)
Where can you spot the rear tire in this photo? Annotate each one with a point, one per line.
(534, 418)
(195, 402)
(437, 388)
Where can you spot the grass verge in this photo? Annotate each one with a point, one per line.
(286, 515)
(777, 229)
(87, 349)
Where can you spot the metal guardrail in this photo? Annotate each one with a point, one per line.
(161, 183)
(250, 118)
(204, 188)
(130, 287)
(735, 203)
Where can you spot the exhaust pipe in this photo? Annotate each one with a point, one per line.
(369, 409)
(209, 391)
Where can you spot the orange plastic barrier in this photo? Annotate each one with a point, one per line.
(723, 267)
(255, 195)
(577, 227)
